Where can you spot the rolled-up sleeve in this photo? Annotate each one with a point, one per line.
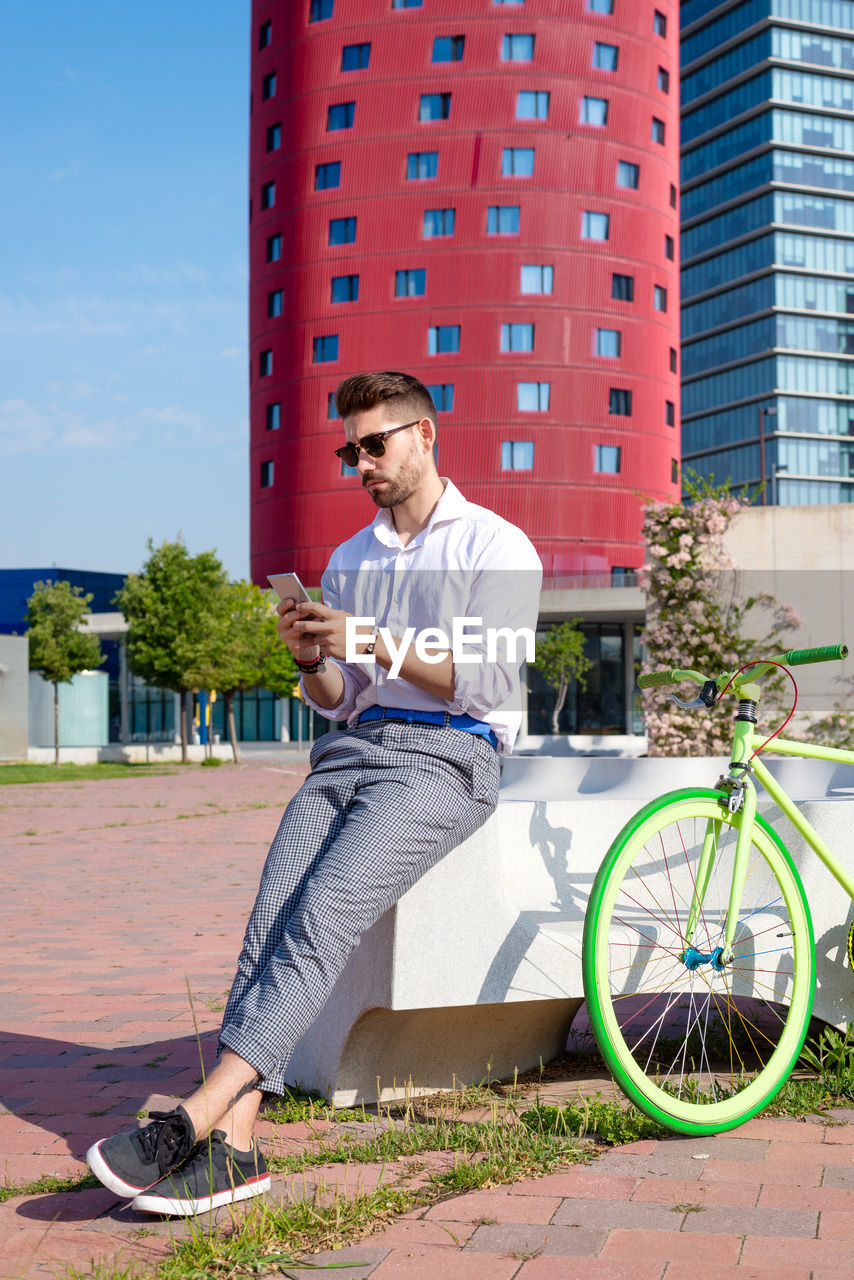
(355, 678)
(505, 596)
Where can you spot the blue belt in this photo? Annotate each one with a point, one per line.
(443, 719)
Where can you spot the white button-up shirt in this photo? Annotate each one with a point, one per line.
(466, 563)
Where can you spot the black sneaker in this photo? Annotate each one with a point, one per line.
(131, 1162)
(214, 1175)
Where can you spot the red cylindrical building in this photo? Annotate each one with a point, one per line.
(482, 194)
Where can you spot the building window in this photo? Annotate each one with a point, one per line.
(600, 6)
(606, 459)
(608, 343)
(345, 289)
(438, 222)
(532, 104)
(274, 137)
(324, 349)
(536, 279)
(518, 3)
(659, 298)
(274, 248)
(517, 455)
(442, 394)
(422, 164)
(623, 288)
(669, 413)
(410, 282)
(663, 80)
(659, 24)
(319, 10)
(274, 416)
(340, 116)
(266, 474)
(434, 106)
(327, 175)
(672, 196)
(443, 338)
(268, 86)
(503, 220)
(628, 175)
(533, 397)
(448, 48)
(332, 407)
(620, 402)
(594, 111)
(674, 471)
(517, 162)
(265, 35)
(672, 359)
(657, 130)
(669, 247)
(517, 48)
(517, 337)
(406, 4)
(595, 226)
(275, 304)
(268, 195)
(355, 57)
(342, 230)
(265, 364)
(605, 56)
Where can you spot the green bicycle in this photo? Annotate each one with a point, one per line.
(698, 953)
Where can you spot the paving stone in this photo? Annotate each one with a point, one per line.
(496, 1206)
(667, 1164)
(793, 1174)
(364, 1257)
(753, 1221)
(680, 1191)
(520, 1239)
(824, 1198)
(556, 1268)
(617, 1213)
(749, 1271)
(582, 1181)
(672, 1246)
(769, 1250)
(442, 1264)
(411, 1234)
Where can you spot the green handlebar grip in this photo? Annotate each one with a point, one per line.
(656, 678)
(799, 657)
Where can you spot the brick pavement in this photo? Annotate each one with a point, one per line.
(122, 900)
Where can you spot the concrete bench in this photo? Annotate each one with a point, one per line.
(477, 969)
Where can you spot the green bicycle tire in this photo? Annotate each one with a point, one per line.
(633, 934)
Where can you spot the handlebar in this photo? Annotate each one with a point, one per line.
(792, 658)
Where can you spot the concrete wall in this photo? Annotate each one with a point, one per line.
(804, 557)
(14, 697)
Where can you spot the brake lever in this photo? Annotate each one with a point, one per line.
(695, 702)
(707, 697)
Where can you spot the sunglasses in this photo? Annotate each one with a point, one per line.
(373, 446)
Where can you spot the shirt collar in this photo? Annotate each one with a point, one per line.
(451, 506)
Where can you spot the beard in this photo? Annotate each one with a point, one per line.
(399, 488)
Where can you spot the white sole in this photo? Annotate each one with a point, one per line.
(105, 1174)
(187, 1208)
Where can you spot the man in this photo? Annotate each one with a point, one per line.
(415, 773)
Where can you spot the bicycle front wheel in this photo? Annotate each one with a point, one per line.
(698, 1044)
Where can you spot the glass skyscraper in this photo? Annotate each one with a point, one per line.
(768, 245)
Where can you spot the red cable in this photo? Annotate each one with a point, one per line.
(766, 662)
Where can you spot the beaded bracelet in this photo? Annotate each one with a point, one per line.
(309, 668)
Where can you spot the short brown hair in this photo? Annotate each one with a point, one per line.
(403, 394)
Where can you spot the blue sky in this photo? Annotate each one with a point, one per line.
(123, 344)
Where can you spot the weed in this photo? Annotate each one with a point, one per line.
(49, 1183)
(155, 1062)
(211, 762)
(102, 1066)
(687, 1208)
(29, 773)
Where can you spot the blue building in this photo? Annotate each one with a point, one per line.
(768, 245)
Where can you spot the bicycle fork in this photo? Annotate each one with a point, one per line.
(742, 798)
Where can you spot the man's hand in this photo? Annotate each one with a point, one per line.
(312, 628)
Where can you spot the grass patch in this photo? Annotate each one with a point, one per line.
(49, 1183)
(25, 773)
(296, 1105)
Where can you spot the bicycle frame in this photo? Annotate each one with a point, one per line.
(742, 755)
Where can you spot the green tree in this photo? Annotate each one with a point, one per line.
(560, 660)
(697, 618)
(58, 648)
(247, 652)
(172, 609)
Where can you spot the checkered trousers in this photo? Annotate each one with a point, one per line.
(383, 803)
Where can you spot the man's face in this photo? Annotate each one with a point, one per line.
(395, 476)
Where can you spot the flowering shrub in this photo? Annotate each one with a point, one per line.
(696, 619)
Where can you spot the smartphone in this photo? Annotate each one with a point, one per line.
(287, 586)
